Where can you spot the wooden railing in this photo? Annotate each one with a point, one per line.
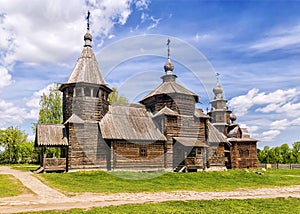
(55, 163)
(192, 161)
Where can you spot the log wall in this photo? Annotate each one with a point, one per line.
(89, 103)
(137, 156)
(86, 148)
(243, 155)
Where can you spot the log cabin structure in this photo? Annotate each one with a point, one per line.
(165, 131)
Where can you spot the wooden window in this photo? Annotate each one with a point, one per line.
(199, 151)
(78, 92)
(87, 92)
(244, 153)
(143, 151)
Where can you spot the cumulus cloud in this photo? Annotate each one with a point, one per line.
(33, 103)
(243, 103)
(50, 31)
(274, 101)
(5, 78)
(282, 104)
(269, 135)
(10, 113)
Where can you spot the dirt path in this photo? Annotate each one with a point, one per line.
(46, 198)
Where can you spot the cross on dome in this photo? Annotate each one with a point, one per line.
(169, 67)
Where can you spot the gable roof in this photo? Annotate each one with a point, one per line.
(170, 88)
(86, 69)
(190, 142)
(51, 135)
(74, 119)
(166, 111)
(129, 123)
(214, 136)
(200, 113)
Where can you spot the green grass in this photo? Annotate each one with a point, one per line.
(25, 167)
(104, 182)
(278, 205)
(10, 186)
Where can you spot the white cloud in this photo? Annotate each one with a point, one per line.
(269, 135)
(282, 103)
(142, 4)
(31, 137)
(251, 129)
(33, 104)
(280, 124)
(277, 101)
(243, 103)
(5, 78)
(10, 113)
(50, 31)
(284, 37)
(150, 20)
(154, 24)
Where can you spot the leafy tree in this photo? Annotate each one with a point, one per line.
(51, 112)
(280, 154)
(115, 98)
(296, 152)
(296, 146)
(51, 107)
(17, 150)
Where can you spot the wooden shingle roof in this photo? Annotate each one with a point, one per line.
(166, 111)
(170, 88)
(190, 142)
(86, 69)
(74, 119)
(214, 136)
(51, 135)
(129, 123)
(200, 113)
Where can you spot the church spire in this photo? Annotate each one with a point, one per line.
(88, 37)
(169, 67)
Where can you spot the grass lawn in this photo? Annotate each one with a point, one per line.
(25, 167)
(10, 186)
(105, 182)
(278, 205)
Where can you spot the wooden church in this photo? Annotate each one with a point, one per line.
(165, 131)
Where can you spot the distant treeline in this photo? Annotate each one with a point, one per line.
(280, 155)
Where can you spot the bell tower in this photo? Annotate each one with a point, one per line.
(220, 115)
(85, 93)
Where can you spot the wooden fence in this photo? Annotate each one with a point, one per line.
(279, 166)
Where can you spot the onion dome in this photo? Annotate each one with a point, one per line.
(218, 91)
(169, 67)
(88, 39)
(233, 118)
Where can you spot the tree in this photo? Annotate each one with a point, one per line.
(280, 154)
(51, 107)
(17, 150)
(296, 146)
(115, 98)
(51, 112)
(296, 152)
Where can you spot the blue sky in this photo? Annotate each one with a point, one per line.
(254, 45)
